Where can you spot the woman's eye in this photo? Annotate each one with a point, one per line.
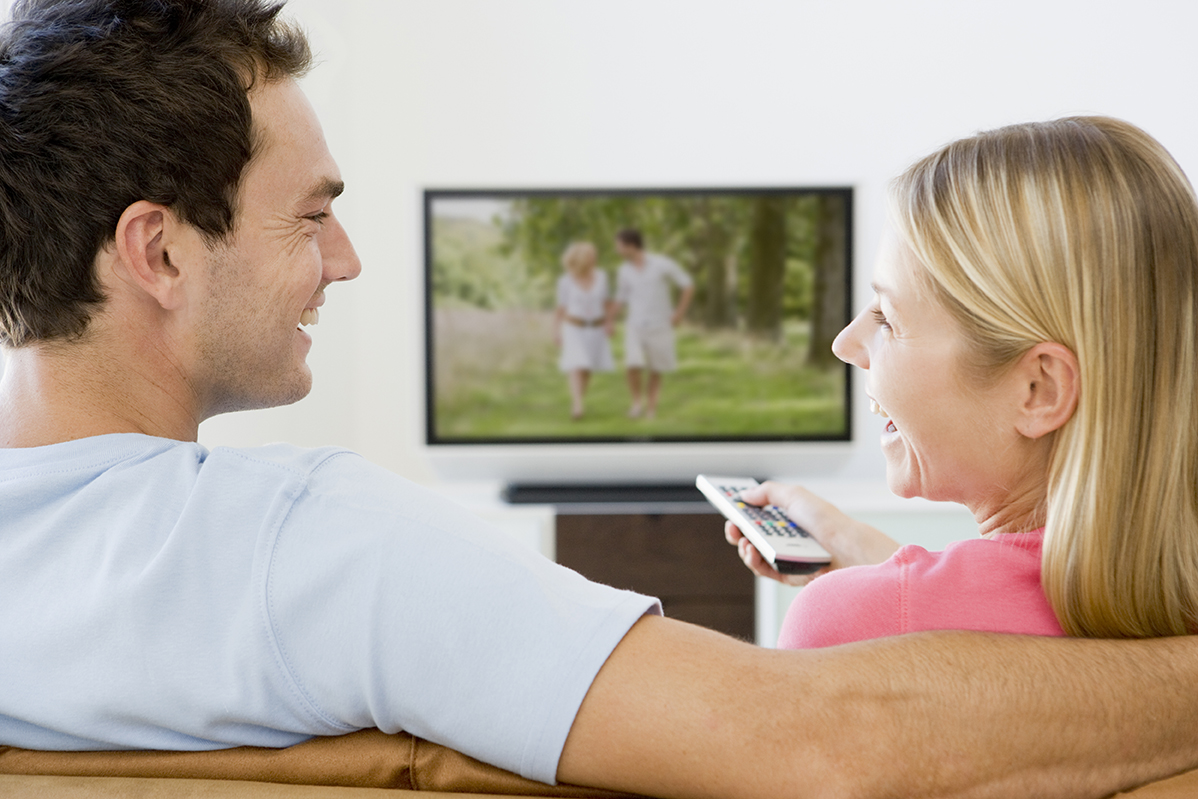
(880, 319)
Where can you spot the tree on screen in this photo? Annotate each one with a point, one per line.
(757, 259)
(767, 265)
(711, 227)
(827, 308)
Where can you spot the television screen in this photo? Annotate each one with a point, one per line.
(636, 315)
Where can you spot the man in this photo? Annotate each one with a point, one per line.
(167, 229)
(643, 286)
(209, 599)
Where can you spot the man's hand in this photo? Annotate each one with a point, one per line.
(683, 303)
(850, 542)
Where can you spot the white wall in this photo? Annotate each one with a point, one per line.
(443, 93)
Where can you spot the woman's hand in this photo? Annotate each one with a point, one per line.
(850, 542)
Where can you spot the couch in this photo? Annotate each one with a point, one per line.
(364, 765)
(367, 763)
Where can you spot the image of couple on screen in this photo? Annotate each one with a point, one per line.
(532, 293)
(586, 315)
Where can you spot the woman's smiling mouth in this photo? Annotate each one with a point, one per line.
(875, 408)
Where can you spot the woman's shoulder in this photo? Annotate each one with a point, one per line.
(1006, 550)
(990, 584)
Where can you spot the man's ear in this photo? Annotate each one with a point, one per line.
(1049, 384)
(143, 237)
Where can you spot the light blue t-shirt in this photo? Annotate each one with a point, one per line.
(156, 595)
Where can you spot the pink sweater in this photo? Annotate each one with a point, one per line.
(982, 584)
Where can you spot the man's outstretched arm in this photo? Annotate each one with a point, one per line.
(679, 711)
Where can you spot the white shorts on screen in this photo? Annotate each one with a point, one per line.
(651, 348)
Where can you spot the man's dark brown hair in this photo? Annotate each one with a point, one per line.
(632, 237)
(107, 102)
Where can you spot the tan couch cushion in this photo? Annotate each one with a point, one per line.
(33, 787)
(364, 764)
(365, 759)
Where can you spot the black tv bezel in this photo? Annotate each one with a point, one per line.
(432, 194)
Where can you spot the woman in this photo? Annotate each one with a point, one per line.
(1034, 343)
(580, 323)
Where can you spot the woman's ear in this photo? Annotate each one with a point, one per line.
(1049, 383)
(143, 234)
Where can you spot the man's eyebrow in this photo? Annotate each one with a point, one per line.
(327, 189)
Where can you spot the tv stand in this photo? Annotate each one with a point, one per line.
(660, 539)
(653, 494)
(681, 558)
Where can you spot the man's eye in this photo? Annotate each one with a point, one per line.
(319, 218)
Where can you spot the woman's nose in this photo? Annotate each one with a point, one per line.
(849, 346)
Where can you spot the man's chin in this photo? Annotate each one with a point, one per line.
(261, 397)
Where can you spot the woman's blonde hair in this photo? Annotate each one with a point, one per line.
(1084, 232)
(578, 254)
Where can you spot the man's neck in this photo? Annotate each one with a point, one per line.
(637, 258)
(52, 394)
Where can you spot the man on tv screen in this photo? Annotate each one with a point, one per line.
(643, 287)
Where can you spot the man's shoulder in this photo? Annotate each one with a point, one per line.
(185, 465)
(662, 262)
(289, 458)
(176, 470)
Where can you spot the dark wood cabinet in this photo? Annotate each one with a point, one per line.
(681, 558)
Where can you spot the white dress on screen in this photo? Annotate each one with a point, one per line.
(584, 341)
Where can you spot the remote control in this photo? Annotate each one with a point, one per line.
(787, 547)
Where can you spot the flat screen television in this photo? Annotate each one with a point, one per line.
(753, 387)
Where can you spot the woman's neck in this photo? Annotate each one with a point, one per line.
(1019, 512)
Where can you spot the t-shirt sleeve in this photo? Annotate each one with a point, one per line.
(679, 276)
(394, 608)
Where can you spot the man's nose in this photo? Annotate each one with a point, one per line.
(341, 261)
